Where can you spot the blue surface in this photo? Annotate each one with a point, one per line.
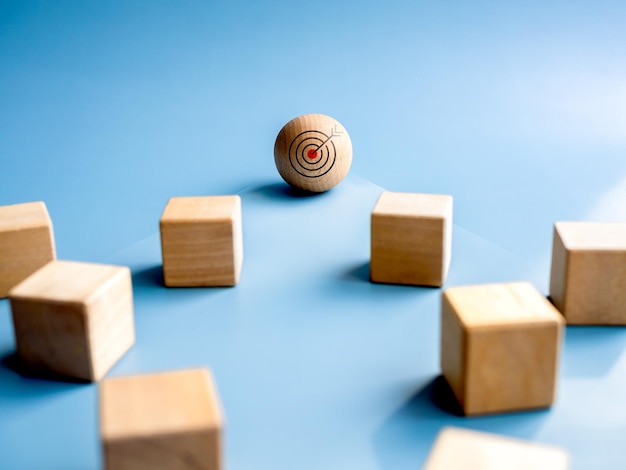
(518, 110)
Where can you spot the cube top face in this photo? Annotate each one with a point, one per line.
(201, 209)
(393, 204)
(156, 404)
(67, 282)
(592, 236)
(24, 216)
(497, 305)
(473, 450)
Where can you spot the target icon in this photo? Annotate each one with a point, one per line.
(312, 153)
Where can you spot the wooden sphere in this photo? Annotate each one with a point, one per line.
(313, 152)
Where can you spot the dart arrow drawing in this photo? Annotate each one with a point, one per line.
(312, 153)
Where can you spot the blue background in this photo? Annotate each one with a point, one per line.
(517, 109)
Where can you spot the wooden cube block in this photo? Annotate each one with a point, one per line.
(73, 319)
(588, 279)
(457, 448)
(500, 346)
(26, 242)
(411, 238)
(202, 241)
(167, 420)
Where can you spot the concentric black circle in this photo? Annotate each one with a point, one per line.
(312, 154)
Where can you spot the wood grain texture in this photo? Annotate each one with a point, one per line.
(500, 347)
(26, 242)
(202, 241)
(313, 152)
(73, 319)
(588, 274)
(457, 448)
(167, 420)
(411, 239)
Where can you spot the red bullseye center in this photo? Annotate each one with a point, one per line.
(312, 153)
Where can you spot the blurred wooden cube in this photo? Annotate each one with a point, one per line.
(73, 319)
(500, 346)
(457, 448)
(411, 238)
(588, 277)
(202, 241)
(26, 242)
(167, 420)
